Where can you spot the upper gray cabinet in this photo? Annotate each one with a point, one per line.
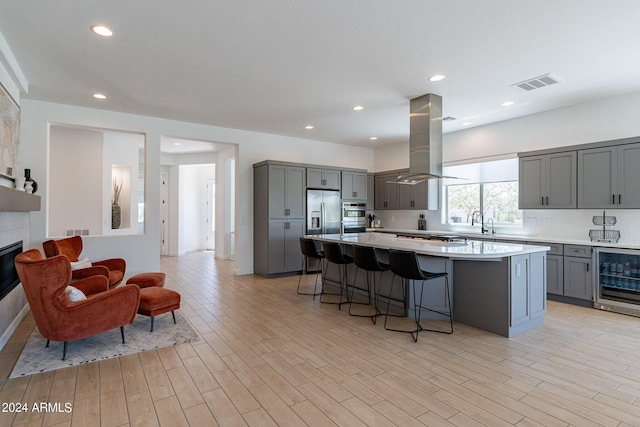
(423, 195)
(548, 181)
(354, 185)
(391, 195)
(608, 177)
(386, 195)
(371, 195)
(286, 191)
(326, 179)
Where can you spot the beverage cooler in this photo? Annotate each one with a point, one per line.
(618, 280)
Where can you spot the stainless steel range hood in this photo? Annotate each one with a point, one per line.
(425, 140)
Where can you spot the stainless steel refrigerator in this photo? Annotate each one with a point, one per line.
(323, 212)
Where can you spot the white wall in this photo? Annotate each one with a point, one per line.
(142, 252)
(606, 119)
(75, 180)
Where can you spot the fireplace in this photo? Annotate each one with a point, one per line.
(8, 275)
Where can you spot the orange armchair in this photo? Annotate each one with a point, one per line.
(71, 247)
(44, 281)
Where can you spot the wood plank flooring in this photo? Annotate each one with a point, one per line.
(270, 357)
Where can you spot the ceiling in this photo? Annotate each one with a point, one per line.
(276, 66)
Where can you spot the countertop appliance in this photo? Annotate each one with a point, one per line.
(354, 217)
(323, 212)
(618, 280)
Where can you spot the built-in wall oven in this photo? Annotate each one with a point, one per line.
(354, 218)
(618, 280)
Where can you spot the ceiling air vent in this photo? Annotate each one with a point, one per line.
(537, 82)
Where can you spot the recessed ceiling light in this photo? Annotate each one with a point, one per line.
(437, 77)
(308, 127)
(101, 30)
(467, 123)
(508, 103)
(358, 108)
(99, 96)
(373, 138)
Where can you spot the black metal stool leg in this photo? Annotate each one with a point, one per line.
(342, 276)
(446, 314)
(305, 266)
(404, 298)
(368, 289)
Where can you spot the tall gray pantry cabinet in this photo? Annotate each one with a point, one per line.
(278, 219)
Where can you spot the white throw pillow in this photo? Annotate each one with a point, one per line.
(75, 294)
(81, 263)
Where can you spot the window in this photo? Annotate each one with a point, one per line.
(489, 187)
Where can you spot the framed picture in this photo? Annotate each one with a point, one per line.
(9, 137)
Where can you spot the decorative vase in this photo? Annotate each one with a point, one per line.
(115, 216)
(30, 184)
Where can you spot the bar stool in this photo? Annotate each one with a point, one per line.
(365, 258)
(405, 265)
(310, 251)
(333, 254)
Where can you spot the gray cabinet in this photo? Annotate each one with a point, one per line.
(371, 195)
(608, 177)
(278, 200)
(284, 253)
(326, 179)
(578, 272)
(555, 274)
(354, 185)
(285, 191)
(423, 195)
(386, 194)
(548, 181)
(391, 195)
(555, 267)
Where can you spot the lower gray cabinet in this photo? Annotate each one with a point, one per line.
(555, 267)
(284, 255)
(578, 281)
(555, 274)
(578, 272)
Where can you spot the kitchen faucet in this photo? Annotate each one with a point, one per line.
(473, 216)
(493, 230)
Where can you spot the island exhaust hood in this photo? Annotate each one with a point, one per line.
(425, 140)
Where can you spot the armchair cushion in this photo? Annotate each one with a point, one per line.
(81, 263)
(75, 294)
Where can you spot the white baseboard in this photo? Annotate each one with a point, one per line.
(13, 326)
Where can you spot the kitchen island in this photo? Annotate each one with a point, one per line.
(497, 287)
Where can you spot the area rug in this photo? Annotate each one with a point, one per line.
(36, 358)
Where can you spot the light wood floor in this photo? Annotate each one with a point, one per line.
(268, 356)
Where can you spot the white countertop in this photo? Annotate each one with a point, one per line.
(509, 237)
(469, 250)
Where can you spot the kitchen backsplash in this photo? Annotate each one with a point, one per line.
(557, 224)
